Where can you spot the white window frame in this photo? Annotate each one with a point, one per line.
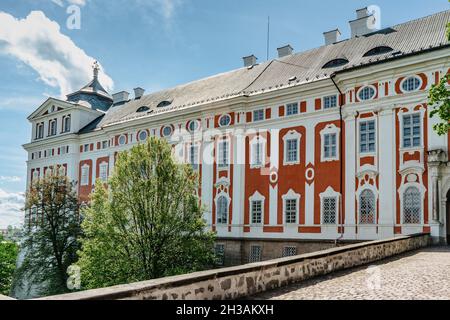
(291, 135)
(223, 155)
(367, 87)
(84, 176)
(329, 129)
(329, 98)
(329, 193)
(223, 117)
(360, 122)
(256, 197)
(67, 125)
(401, 192)
(409, 78)
(292, 105)
(291, 195)
(124, 137)
(216, 200)
(52, 132)
(260, 142)
(401, 116)
(196, 128)
(167, 135)
(139, 135)
(358, 203)
(40, 130)
(103, 171)
(194, 159)
(35, 174)
(262, 111)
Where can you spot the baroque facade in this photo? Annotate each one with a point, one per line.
(334, 143)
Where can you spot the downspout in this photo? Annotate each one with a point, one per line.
(341, 169)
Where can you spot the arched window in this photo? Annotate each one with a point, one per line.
(222, 210)
(143, 109)
(378, 50)
(367, 207)
(335, 63)
(164, 104)
(67, 124)
(412, 208)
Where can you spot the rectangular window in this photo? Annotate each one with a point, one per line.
(103, 174)
(105, 144)
(193, 157)
(223, 154)
(258, 115)
(257, 153)
(63, 150)
(86, 148)
(219, 250)
(290, 210)
(330, 146)
(289, 251)
(292, 109)
(292, 150)
(330, 102)
(84, 176)
(367, 136)
(255, 254)
(412, 130)
(329, 209)
(256, 211)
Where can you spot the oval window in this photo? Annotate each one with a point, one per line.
(411, 84)
(167, 131)
(143, 135)
(366, 93)
(225, 120)
(122, 140)
(193, 125)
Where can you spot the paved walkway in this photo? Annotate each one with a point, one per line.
(418, 275)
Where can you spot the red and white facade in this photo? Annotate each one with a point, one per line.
(348, 155)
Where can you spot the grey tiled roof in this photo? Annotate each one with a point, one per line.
(408, 38)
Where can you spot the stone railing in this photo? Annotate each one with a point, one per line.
(246, 280)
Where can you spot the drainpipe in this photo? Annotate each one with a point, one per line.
(341, 170)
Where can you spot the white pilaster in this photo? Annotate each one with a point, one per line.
(350, 173)
(238, 199)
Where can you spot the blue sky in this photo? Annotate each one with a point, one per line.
(149, 43)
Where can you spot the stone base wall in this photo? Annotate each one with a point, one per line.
(246, 280)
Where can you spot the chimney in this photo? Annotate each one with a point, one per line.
(138, 93)
(365, 23)
(120, 97)
(249, 60)
(285, 51)
(331, 36)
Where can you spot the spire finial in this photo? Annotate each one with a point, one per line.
(96, 68)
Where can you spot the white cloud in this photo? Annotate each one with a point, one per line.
(10, 179)
(62, 2)
(11, 205)
(38, 42)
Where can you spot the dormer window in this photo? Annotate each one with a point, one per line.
(66, 123)
(52, 126)
(142, 109)
(377, 51)
(163, 104)
(335, 63)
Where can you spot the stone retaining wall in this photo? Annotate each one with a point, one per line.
(246, 280)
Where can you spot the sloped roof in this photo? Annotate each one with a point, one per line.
(408, 38)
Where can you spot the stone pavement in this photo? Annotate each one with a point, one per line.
(417, 275)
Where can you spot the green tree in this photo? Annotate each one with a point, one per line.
(439, 97)
(50, 241)
(147, 224)
(8, 256)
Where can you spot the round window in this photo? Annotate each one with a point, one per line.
(122, 140)
(193, 126)
(411, 84)
(366, 93)
(225, 120)
(143, 135)
(167, 131)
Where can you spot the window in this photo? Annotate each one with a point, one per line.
(222, 210)
(291, 150)
(62, 171)
(330, 146)
(52, 127)
(142, 109)
(40, 130)
(122, 140)
(35, 175)
(219, 250)
(257, 153)
(167, 131)
(378, 50)
(256, 212)
(164, 104)
(412, 130)
(193, 126)
(223, 154)
(292, 109)
(367, 136)
(289, 251)
(84, 175)
(366, 93)
(143, 135)
(335, 63)
(105, 144)
(103, 171)
(411, 84)
(86, 148)
(64, 150)
(255, 254)
(258, 115)
(367, 207)
(330, 102)
(225, 120)
(193, 156)
(412, 208)
(329, 208)
(66, 123)
(290, 210)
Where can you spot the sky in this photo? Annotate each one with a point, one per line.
(47, 48)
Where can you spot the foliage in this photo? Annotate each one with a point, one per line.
(8, 257)
(148, 224)
(50, 240)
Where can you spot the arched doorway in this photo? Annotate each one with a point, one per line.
(447, 220)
